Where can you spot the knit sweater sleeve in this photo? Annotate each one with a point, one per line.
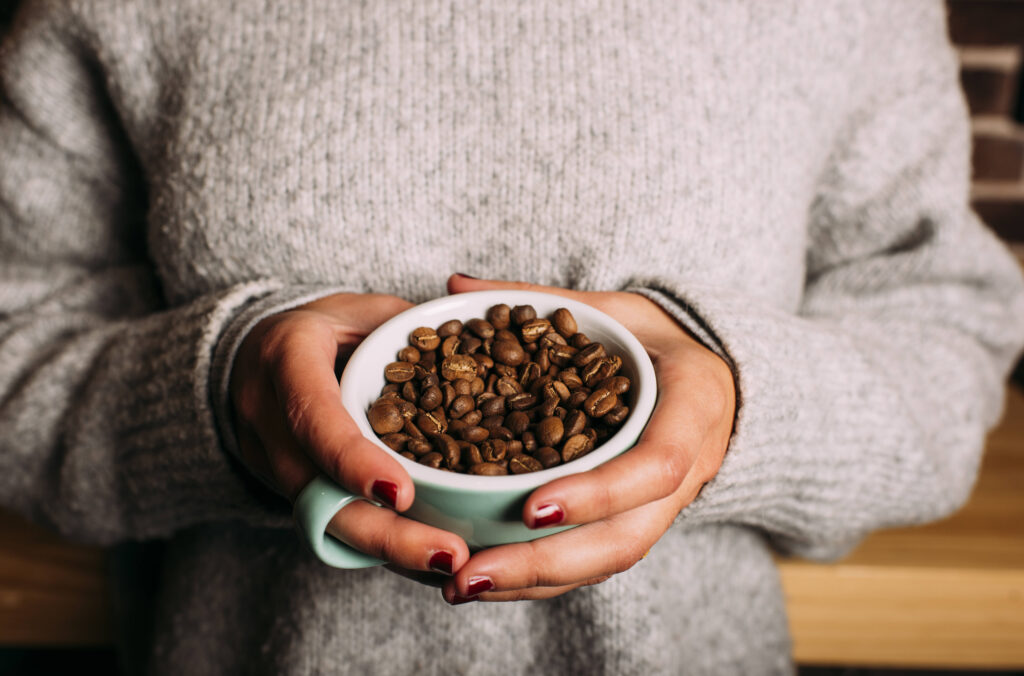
(868, 405)
(107, 425)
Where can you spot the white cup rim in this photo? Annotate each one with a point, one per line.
(367, 362)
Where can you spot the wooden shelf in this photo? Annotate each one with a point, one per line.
(950, 594)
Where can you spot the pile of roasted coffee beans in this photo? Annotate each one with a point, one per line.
(510, 393)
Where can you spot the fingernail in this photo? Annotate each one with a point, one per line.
(442, 562)
(463, 274)
(456, 600)
(547, 515)
(386, 492)
(479, 584)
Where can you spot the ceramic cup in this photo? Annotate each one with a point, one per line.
(484, 510)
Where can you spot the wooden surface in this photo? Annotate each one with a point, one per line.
(949, 594)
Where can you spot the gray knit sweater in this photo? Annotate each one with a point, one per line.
(788, 179)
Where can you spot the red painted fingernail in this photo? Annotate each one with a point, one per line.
(463, 274)
(442, 562)
(479, 584)
(547, 515)
(456, 600)
(386, 492)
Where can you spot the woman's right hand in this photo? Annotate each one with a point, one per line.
(291, 425)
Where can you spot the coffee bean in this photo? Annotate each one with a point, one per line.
(450, 346)
(562, 355)
(399, 372)
(533, 329)
(556, 388)
(419, 447)
(473, 417)
(579, 341)
(550, 431)
(396, 441)
(574, 447)
(517, 421)
(547, 407)
(390, 388)
(470, 343)
(431, 398)
(598, 370)
(493, 406)
(522, 313)
(385, 418)
(448, 449)
(431, 423)
(578, 396)
(500, 316)
(476, 386)
(432, 459)
(571, 380)
(407, 455)
(475, 434)
(493, 450)
(574, 423)
(523, 464)
(487, 469)
(482, 328)
(452, 327)
(564, 322)
(455, 425)
(616, 416)
(409, 354)
(409, 427)
(617, 384)
(506, 386)
(501, 432)
(588, 354)
(551, 339)
(458, 366)
(505, 334)
(521, 401)
(424, 339)
(508, 353)
(462, 405)
(548, 457)
(410, 392)
(600, 402)
(529, 441)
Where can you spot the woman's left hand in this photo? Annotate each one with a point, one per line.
(627, 503)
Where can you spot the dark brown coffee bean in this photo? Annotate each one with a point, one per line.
(431, 398)
(481, 328)
(571, 379)
(616, 416)
(448, 390)
(505, 334)
(501, 432)
(579, 341)
(564, 322)
(409, 391)
(409, 354)
(574, 447)
(399, 372)
(530, 348)
(500, 316)
(385, 418)
(456, 425)
(617, 384)
(533, 329)
(522, 401)
(476, 386)
(450, 346)
(591, 435)
(529, 441)
(577, 397)
(575, 421)
(543, 360)
(484, 363)
(562, 355)
(406, 408)
(390, 388)
(432, 459)
(452, 327)
(396, 441)
(504, 371)
(506, 386)
(424, 339)
(514, 446)
(462, 387)
(489, 422)
(538, 384)
(470, 343)
(448, 449)
(432, 423)
(522, 313)
(473, 417)
(419, 447)
(421, 370)
(517, 421)
(409, 427)
(551, 339)
(588, 354)
(407, 455)
(458, 367)
(547, 407)
(493, 406)
(556, 388)
(600, 402)
(523, 464)
(508, 353)
(548, 457)
(488, 469)
(550, 431)
(430, 380)
(600, 369)
(493, 450)
(462, 405)
(561, 412)
(475, 434)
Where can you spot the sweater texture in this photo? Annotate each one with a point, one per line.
(788, 179)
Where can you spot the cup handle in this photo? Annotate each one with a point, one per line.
(316, 505)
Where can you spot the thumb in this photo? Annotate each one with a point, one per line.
(459, 283)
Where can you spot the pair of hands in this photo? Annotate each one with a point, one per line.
(291, 425)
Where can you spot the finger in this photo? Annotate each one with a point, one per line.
(530, 594)
(568, 558)
(304, 381)
(459, 283)
(283, 465)
(651, 470)
(358, 314)
(400, 541)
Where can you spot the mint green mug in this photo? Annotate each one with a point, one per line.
(484, 510)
